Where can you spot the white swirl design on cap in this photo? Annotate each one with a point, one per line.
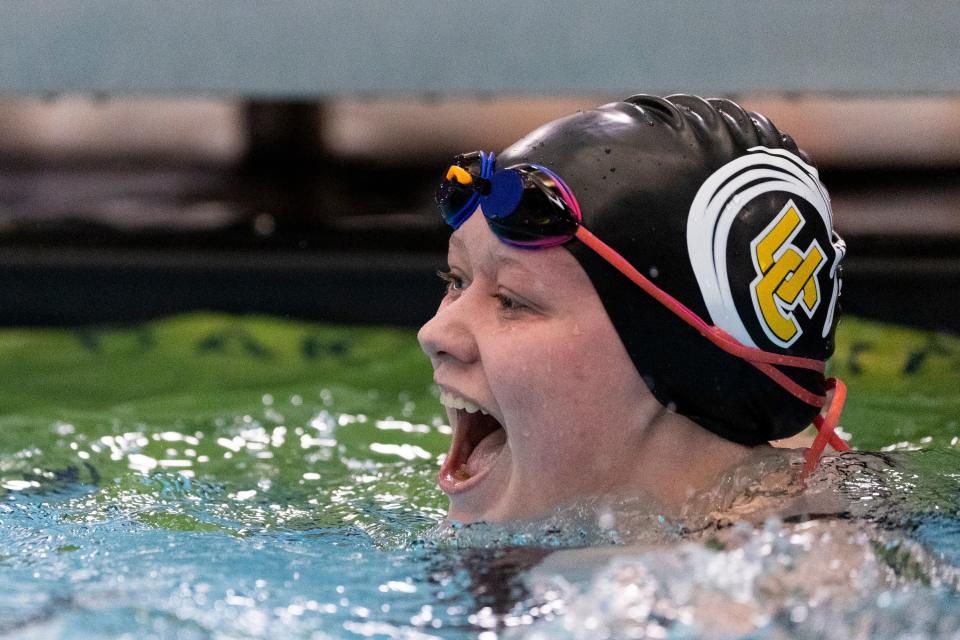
(715, 208)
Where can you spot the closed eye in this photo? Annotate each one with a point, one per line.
(509, 305)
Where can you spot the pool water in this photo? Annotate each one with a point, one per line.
(209, 476)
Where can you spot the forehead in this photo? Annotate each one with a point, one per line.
(476, 245)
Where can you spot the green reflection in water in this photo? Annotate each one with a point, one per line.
(266, 422)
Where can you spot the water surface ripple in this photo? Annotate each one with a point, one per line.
(215, 477)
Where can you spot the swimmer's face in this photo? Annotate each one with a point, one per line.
(523, 336)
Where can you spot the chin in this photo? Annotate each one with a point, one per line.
(496, 503)
(483, 479)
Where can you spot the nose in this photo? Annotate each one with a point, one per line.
(449, 335)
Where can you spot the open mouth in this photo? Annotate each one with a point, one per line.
(478, 438)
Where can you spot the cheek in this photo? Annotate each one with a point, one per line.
(550, 391)
(578, 388)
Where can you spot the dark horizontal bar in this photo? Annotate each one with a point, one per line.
(75, 286)
(54, 287)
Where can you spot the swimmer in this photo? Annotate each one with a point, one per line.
(639, 298)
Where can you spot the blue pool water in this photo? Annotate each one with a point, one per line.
(302, 504)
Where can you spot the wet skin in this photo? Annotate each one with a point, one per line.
(523, 334)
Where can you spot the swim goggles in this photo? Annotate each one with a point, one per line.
(529, 206)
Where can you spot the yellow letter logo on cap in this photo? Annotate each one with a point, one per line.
(786, 277)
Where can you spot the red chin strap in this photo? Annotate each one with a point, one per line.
(825, 424)
(762, 360)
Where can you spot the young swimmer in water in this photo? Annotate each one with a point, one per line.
(638, 298)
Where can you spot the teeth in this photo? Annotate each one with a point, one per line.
(456, 402)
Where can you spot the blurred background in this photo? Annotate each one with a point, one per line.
(281, 159)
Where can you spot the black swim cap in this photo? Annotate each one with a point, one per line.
(722, 211)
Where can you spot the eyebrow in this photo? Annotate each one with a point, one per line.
(513, 262)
